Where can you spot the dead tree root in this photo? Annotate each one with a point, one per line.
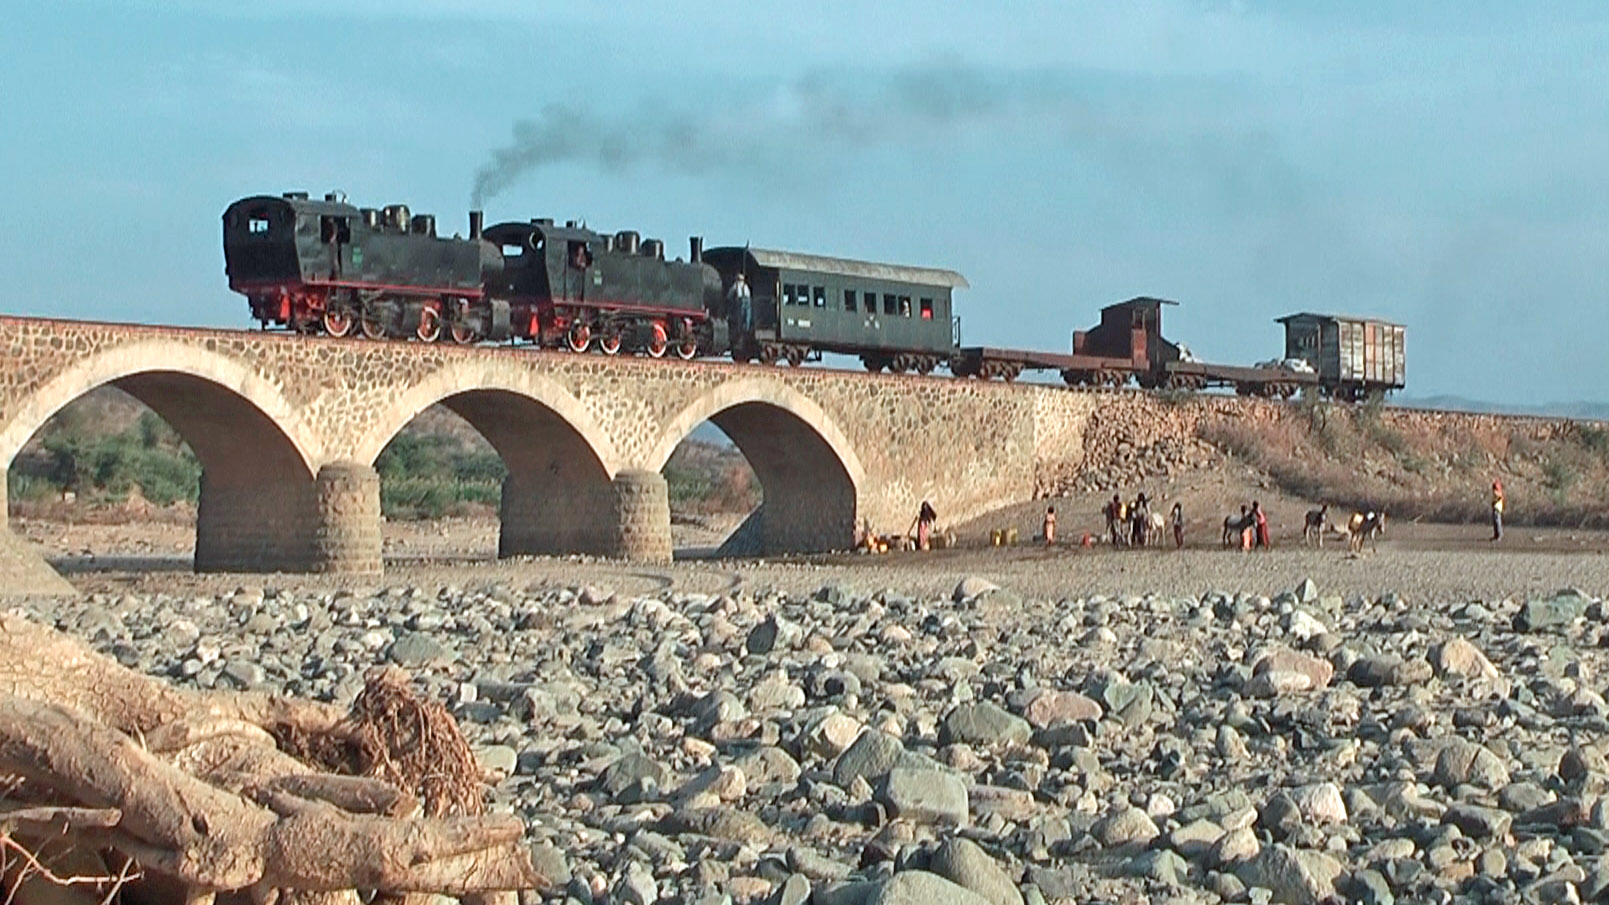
(191, 790)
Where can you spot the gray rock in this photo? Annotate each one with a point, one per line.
(962, 862)
(924, 796)
(871, 756)
(1123, 827)
(1369, 887)
(497, 759)
(1161, 865)
(772, 634)
(918, 887)
(983, 723)
(628, 770)
(1551, 614)
(722, 823)
(550, 862)
(635, 885)
(794, 891)
(1389, 669)
(1294, 876)
(972, 587)
(1478, 822)
(420, 651)
(245, 673)
(1461, 762)
(1129, 702)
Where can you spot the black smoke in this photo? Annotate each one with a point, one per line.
(820, 113)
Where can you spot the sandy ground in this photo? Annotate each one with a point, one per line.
(1439, 561)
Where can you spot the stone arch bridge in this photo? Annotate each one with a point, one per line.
(287, 430)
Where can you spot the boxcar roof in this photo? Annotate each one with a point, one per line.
(1333, 317)
(793, 260)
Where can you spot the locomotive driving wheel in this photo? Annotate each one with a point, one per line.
(338, 321)
(686, 342)
(370, 323)
(658, 342)
(578, 337)
(609, 340)
(429, 329)
(464, 334)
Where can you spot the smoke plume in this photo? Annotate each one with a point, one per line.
(818, 114)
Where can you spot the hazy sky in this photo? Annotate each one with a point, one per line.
(1441, 164)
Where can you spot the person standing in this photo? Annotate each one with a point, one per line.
(925, 517)
(1177, 517)
(1141, 516)
(1260, 521)
(740, 305)
(1114, 519)
(1049, 527)
(1497, 510)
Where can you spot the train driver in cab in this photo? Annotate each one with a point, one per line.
(579, 259)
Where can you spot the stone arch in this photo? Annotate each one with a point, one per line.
(256, 453)
(558, 495)
(810, 476)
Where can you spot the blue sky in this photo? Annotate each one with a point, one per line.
(1445, 164)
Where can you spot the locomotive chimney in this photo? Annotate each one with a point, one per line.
(696, 248)
(477, 219)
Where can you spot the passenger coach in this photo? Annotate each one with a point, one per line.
(894, 317)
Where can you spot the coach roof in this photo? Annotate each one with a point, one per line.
(792, 260)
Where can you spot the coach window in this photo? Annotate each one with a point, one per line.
(257, 226)
(904, 306)
(890, 303)
(927, 309)
(849, 300)
(820, 296)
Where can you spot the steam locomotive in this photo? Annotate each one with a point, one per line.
(329, 267)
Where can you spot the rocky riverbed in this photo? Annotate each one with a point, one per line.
(970, 744)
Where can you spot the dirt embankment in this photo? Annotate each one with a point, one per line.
(1436, 466)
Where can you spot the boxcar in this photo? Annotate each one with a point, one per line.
(892, 316)
(1355, 358)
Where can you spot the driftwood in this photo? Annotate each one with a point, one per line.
(200, 794)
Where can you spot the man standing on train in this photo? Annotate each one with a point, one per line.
(740, 306)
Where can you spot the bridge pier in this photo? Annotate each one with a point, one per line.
(330, 525)
(23, 572)
(346, 534)
(641, 511)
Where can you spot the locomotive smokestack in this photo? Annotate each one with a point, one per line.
(696, 248)
(476, 220)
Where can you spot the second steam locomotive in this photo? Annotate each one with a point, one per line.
(328, 267)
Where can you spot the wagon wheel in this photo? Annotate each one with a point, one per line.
(687, 343)
(429, 329)
(926, 364)
(609, 340)
(767, 354)
(464, 334)
(337, 321)
(578, 337)
(372, 326)
(658, 343)
(1009, 372)
(796, 355)
(872, 363)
